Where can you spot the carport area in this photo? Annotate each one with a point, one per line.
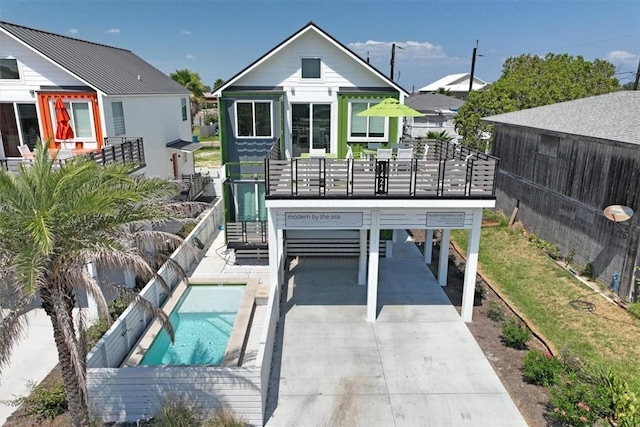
(417, 365)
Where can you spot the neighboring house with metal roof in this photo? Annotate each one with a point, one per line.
(456, 84)
(109, 92)
(439, 113)
(562, 165)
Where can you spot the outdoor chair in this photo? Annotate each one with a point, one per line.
(397, 146)
(404, 154)
(384, 154)
(25, 151)
(349, 153)
(287, 154)
(317, 152)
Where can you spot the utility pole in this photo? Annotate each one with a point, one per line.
(393, 58)
(473, 67)
(635, 84)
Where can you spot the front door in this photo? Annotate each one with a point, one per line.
(310, 127)
(9, 130)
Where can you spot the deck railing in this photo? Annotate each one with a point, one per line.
(115, 150)
(441, 175)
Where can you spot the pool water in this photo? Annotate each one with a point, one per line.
(202, 322)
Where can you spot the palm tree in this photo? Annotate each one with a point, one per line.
(54, 220)
(193, 83)
(440, 136)
(218, 83)
(443, 91)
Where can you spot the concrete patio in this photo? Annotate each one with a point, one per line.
(417, 365)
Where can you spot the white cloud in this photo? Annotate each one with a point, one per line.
(405, 51)
(113, 31)
(73, 31)
(621, 55)
(190, 56)
(185, 32)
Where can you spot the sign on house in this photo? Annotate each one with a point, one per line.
(323, 219)
(445, 219)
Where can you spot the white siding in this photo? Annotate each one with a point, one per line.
(338, 68)
(35, 71)
(158, 120)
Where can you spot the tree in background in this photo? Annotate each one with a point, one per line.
(529, 81)
(439, 136)
(217, 84)
(56, 219)
(193, 83)
(443, 91)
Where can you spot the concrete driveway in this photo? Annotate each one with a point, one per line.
(418, 365)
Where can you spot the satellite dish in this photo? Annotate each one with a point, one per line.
(618, 213)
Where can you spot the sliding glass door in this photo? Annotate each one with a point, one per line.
(310, 127)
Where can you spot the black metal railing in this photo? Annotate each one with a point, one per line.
(246, 233)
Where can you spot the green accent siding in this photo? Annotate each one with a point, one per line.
(343, 122)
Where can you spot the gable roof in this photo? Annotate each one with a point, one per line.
(455, 83)
(311, 26)
(433, 102)
(108, 69)
(613, 116)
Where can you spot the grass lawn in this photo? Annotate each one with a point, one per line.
(207, 157)
(542, 291)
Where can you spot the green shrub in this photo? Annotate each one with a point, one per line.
(481, 291)
(118, 306)
(495, 312)
(515, 334)
(177, 413)
(541, 369)
(634, 309)
(96, 331)
(44, 401)
(587, 270)
(225, 418)
(576, 401)
(624, 404)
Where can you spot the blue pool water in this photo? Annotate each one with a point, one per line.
(202, 321)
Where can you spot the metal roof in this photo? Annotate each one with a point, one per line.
(433, 102)
(455, 83)
(111, 70)
(613, 116)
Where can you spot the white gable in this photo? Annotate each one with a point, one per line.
(338, 68)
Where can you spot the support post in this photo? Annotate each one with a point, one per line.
(374, 258)
(362, 261)
(443, 266)
(471, 267)
(428, 246)
(281, 257)
(274, 262)
(92, 307)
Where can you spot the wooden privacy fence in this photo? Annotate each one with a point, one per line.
(471, 177)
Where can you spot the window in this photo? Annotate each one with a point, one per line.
(28, 118)
(80, 119)
(118, 118)
(250, 202)
(311, 68)
(183, 104)
(9, 69)
(548, 145)
(253, 119)
(310, 127)
(366, 128)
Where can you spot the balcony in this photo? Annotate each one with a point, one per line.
(115, 150)
(446, 172)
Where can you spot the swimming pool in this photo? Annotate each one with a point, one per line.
(202, 322)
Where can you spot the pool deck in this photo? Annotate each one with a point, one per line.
(417, 365)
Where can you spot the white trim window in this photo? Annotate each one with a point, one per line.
(362, 129)
(9, 69)
(80, 118)
(117, 110)
(311, 68)
(253, 119)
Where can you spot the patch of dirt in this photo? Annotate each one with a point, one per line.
(507, 362)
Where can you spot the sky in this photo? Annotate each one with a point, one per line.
(219, 38)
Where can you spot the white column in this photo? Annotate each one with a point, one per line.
(443, 267)
(362, 261)
(374, 258)
(471, 267)
(394, 236)
(428, 246)
(274, 262)
(281, 258)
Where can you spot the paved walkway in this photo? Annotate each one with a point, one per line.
(31, 360)
(418, 365)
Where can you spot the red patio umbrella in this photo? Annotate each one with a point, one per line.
(63, 128)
